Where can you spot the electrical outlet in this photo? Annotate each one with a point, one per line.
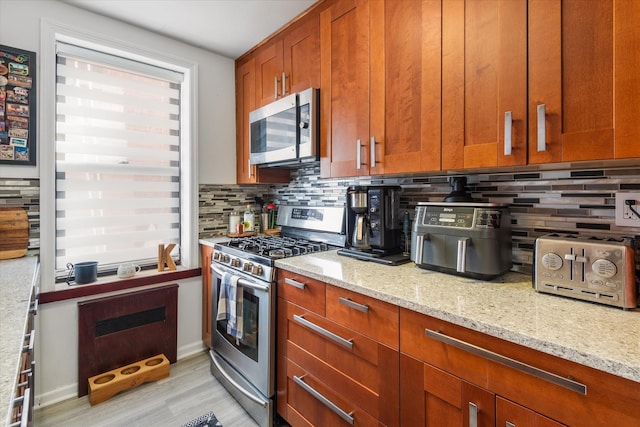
(624, 214)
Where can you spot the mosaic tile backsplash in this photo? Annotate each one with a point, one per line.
(572, 200)
(575, 199)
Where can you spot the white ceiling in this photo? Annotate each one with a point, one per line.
(226, 27)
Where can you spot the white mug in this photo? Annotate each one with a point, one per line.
(127, 270)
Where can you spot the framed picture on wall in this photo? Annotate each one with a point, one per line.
(17, 106)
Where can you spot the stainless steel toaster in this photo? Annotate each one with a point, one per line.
(590, 268)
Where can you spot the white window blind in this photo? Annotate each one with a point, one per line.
(117, 159)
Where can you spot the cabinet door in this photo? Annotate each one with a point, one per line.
(583, 86)
(484, 83)
(344, 89)
(405, 86)
(269, 70)
(301, 55)
(207, 253)
(245, 103)
(432, 397)
(510, 414)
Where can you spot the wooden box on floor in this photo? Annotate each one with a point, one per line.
(105, 385)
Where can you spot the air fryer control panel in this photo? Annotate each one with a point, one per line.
(590, 268)
(460, 217)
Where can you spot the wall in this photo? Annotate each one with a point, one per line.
(20, 27)
(20, 21)
(578, 198)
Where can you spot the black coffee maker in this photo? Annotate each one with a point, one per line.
(374, 227)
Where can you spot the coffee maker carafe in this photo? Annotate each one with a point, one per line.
(374, 229)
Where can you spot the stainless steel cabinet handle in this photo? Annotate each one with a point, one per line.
(275, 87)
(358, 149)
(473, 415)
(373, 151)
(509, 362)
(352, 304)
(461, 263)
(284, 83)
(348, 417)
(508, 125)
(249, 167)
(322, 331)
(509, 424)
(542, 127)
(24, 412)
(294, 283)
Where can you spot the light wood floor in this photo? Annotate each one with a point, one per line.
(188, 392)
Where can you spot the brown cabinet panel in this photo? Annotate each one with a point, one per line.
(301, 55)
(609, 400)
(583, 75)
(312, 295)
(484, 77)
(269, 69)
(206, 256)
(344, 88)
(519, 416)
(380, 320)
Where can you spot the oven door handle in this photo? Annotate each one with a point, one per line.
(242, 390)
(243, 282)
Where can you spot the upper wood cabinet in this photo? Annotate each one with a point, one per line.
(484, 83)
(245, 103)
(583, 80)
(405, 86)
(290, 62)
(344, 89)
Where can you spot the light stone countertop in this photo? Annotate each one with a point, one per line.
(17, 278)
(601, 337)
(213, 240)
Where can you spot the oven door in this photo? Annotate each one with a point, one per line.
(252, 355)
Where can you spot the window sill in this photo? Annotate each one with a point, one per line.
(105, 284)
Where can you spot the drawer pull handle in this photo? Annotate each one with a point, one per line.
(352, 304)
(294, 283)
(32, 340)
(509, 424)
(323, 331)
(509, 362)
(473, 415)
(23, 401)
(348, 417)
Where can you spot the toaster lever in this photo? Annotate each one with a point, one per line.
(462, 255)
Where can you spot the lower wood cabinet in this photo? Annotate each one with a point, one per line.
(328, 372)
(452, 373)
(207, 255)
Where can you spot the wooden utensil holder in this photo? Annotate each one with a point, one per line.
(105, 385)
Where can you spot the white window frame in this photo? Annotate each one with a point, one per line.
(52, 32)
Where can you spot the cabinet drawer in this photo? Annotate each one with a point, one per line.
(536, 380)
(363, 371)
(369, 316)
(311, 402)
(301, 290)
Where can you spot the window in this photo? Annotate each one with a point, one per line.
(117, 159)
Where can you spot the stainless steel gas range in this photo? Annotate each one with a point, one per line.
(244, 301)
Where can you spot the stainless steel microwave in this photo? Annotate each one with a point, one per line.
(285, 132)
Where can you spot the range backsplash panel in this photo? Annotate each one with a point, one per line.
(576, 199)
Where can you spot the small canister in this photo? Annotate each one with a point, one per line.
(234, 220)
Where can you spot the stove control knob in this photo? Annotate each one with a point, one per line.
(257, 270)
(224, 258)
(235, 262)
(552, 261)
(216, 256)
(604, 268)
(247, 266)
